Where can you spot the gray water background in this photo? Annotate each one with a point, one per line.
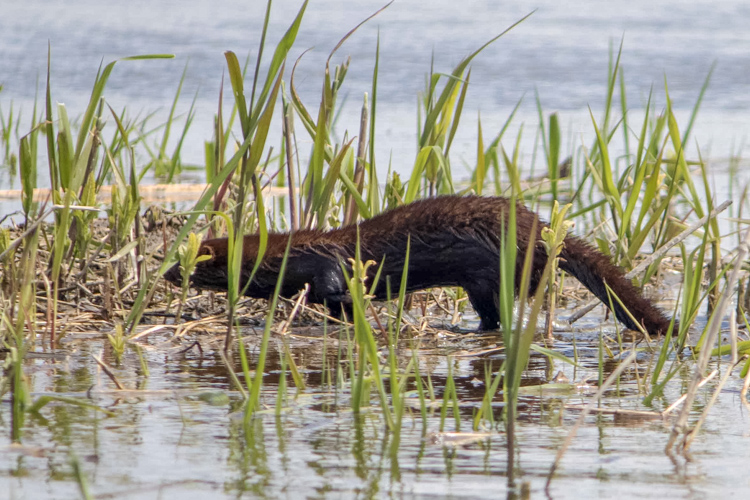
(561, 52)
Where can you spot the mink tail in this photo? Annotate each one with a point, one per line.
(593, 269)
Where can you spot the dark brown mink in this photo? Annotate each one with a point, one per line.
(455, 241)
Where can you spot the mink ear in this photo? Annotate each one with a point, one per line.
(207, 250)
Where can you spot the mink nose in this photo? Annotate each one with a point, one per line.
(174, 275)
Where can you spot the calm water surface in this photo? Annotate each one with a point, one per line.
(169, 439)
(165, 441)
(561, 52)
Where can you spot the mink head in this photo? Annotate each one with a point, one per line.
(210, 274)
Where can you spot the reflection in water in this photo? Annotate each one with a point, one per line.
(171, 436)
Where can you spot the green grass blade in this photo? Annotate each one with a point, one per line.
(282, 49)
(608, 184)
(238, 88)
(253, 400)
(432, 116)
(96, 94)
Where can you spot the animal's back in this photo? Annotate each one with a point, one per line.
(434, 219)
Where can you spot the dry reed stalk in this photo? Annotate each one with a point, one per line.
(712, 332)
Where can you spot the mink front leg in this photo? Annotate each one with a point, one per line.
(329, 287)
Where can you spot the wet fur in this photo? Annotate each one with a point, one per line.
(455, 241)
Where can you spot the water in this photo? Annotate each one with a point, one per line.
(561, 52)
(168, 439)
(166, 442)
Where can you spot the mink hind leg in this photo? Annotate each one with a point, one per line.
(483, 296)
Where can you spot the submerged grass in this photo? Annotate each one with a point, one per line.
(638, 209)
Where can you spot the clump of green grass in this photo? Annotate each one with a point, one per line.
(189, 258)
